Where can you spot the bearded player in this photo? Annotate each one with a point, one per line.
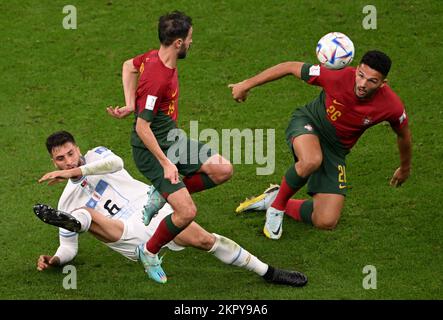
(102, 198)
(176, 166)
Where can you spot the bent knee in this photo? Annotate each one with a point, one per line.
(223, 173)
(308, 166)
(226, 172)
(325, 224)
(186, 214)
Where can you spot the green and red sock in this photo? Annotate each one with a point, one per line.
(165, 232)
(198, 182)
(290, 184)
(300, 210)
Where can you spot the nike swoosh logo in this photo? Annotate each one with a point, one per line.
(341, 186)
(173, 95)
(337, 103)
(277, 231)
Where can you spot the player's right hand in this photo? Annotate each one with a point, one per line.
(239, 91)
(54, 177)
(119, 112)
(44, 262)
(171, 172)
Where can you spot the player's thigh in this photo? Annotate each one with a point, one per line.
(217, 168)
(193, 155)
(307, 149)
(327, 209)
(195, 236)
(104, 228)
(303, 138)
(151, 168)
(147, 164)
(330, 177)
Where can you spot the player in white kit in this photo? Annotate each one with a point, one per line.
(102, 197)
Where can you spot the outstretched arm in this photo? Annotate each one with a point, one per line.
(129, 79)
(404, 141)
(240, 89)
(110, 164)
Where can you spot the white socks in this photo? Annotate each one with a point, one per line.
(230, 252)
(84, 217)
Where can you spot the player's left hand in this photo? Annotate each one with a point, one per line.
(400, 176)
(56, 176)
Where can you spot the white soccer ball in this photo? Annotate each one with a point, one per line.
(335, 50)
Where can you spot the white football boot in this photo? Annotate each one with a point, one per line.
(261, 202)
(274, 223)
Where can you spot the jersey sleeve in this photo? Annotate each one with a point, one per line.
(398, 118)
(138, 60)
(149, 102)
(320, 76)
(68, 247)
(98, 153)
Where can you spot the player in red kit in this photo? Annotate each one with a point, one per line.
(321, 133)
(162, 152)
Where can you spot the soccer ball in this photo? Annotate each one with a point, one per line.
(335, 50)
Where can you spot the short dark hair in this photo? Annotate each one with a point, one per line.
(57, 139)
(172, 26)
(377, 60)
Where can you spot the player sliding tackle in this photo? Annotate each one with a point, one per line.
(101, 197)
(321, 134)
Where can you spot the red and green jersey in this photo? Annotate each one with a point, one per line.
(156, 97)
(339, 105)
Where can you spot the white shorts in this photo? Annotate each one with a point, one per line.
(136, 233)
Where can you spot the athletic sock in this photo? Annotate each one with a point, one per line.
(306, 210)
(198, 182)
(290, 184)
(230, 252)
(284, 194)
(84, 217)
(293, 209)
(165, 232)
(300, 210)
(293, 179)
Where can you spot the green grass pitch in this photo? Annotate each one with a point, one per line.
(55, 79)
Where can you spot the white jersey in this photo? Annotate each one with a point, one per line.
(116, 195)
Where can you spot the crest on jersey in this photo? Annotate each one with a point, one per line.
(367, 121)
